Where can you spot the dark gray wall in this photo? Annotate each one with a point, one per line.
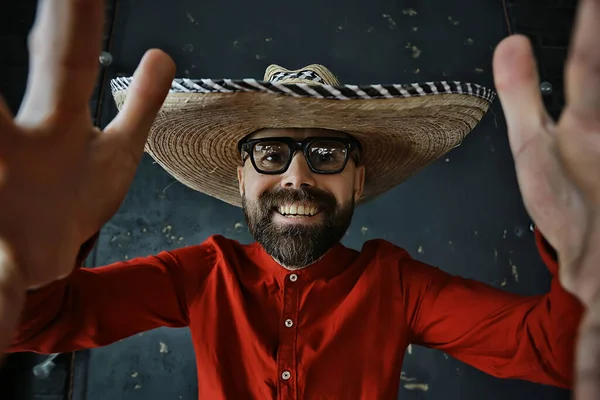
(463, 213)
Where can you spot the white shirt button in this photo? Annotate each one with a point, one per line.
(286, 375)
(293, 277)
(289, 323)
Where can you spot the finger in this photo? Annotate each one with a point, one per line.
(6, 131)
(65, 44)
(517, 82)
(12, 296)
(151, 83)
(582, 72)
(587, 360)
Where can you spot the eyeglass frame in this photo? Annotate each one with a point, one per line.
(352, 146)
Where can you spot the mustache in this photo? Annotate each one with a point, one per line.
(275, 197)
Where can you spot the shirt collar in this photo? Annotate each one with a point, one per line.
(336, 260)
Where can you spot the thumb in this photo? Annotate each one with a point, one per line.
(151, 83)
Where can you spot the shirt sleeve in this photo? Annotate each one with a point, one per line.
(94, 307)
(501, 333)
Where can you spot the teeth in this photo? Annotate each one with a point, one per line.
(297, 209)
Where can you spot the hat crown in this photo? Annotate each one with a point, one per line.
(314, 74)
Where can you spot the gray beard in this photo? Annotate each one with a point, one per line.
(297, 246)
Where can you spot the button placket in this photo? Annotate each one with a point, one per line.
(286, 358)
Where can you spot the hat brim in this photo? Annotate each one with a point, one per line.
(401, 128)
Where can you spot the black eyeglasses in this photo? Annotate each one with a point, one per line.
(324, 155)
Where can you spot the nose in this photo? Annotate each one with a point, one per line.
(298, 174)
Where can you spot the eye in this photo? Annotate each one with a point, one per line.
(270, 155)
(325, 156)
(328, 155)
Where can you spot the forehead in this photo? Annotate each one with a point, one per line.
(296, 133)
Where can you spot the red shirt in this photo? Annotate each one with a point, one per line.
(335, 330)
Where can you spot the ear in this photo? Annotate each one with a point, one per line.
(240, 176)
(359, 181)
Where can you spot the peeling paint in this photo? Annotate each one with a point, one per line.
(391, 23)
(416, 71)
(191, 18)
(420, 250)
(409, 11)
(479, 70)
(416, 386)
(409, 349)
(260, 57)
(415, 28)
(405, 378)
(446, 356)
(268, 39)
(515, 272)
(134, 374)
(137, 387)
(469, 41)
(163, 348)
(504, 234)
(503, 283)
(364, 230)
(370, 29)
(188, 47)
(447, 159)
(416, 52)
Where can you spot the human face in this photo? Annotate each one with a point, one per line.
(298, 215)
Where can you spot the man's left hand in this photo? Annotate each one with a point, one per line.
(558, 169)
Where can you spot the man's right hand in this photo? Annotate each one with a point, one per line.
(61, 179)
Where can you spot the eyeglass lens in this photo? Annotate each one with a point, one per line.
(323, 155)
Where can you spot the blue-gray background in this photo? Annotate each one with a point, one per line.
(464, 213)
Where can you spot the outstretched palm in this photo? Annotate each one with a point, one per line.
(63, 178)
(558, 168)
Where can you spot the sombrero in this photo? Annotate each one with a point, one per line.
(401, 127)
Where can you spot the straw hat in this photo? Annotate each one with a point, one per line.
(401, 127)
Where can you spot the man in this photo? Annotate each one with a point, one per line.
(295, 315)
